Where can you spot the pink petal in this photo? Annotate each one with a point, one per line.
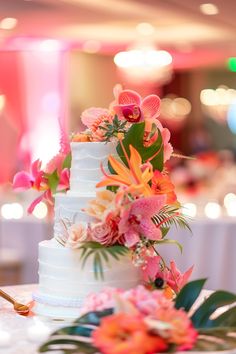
(55, 163)
(116, 91)
(148, 206)
(149, 230)
(150, 106)
(151, 269)
(131, 238)
(35, 168)
(129, 97)
(89, 116)
(64, 181)
(34, 203)
(186, 276)
(22, 181)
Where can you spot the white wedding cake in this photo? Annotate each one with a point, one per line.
(63, 282)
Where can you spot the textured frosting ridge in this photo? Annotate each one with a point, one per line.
(86, 165)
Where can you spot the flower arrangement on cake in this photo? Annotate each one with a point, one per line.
(139, 205)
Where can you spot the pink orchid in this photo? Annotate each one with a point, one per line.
(136, 221)
(172, 276)
(24, 180)
(64, 181)
(130, 106)
(176, 280)
(36, 180)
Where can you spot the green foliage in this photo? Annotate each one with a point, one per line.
(169, 241)
(101, 254)
(170, 215)
(67, 161)
(134, 137)
(201, 317)
(189, 294)
(66, 339)
(113, 129)
(67, 345)
(94, 318)
(53, 181)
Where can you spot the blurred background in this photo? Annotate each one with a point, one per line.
(59, 57)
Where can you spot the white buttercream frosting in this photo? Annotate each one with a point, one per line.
(63, 283)
(86, 166)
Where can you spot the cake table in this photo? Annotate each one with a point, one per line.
(27, 333)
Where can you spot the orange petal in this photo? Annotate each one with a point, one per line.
(120, 169)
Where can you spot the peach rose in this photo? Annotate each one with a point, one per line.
(77, 233)
(101, 206)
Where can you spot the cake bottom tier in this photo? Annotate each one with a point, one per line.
(64, 284)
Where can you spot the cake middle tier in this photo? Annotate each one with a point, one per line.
(69, 209)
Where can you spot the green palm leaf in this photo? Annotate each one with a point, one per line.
(100, 255)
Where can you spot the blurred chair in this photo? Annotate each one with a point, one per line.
(11, 265)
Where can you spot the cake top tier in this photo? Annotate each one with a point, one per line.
(85, 171)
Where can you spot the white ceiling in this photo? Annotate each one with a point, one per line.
(196, 39)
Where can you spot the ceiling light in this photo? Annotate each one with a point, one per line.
(209, 9)
(143, 63)
(144, 28)
(8, 23)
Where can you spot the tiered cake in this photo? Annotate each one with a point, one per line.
(63, 283)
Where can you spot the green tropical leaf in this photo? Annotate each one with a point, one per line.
(226, 319)
(94, 318)
(164, 231)
(134, 137)
(67, 345)
(169, 241)
(53, 181)
(170, 215)
(100, 255)
(67, 161)
(201, 317)
(74, 330)
(189, 294)
(216, 339)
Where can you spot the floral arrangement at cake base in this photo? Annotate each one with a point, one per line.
(140, 321)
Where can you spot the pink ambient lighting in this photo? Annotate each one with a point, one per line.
(44, 74)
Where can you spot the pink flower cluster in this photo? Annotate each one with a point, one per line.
(128, 106)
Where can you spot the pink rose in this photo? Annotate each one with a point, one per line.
(105, 233)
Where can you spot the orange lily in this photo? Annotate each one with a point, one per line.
(134, 176)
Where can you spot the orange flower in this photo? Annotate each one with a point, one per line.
(181, 331)
(126, 334)
(161, 184)
(133, 176)
(81, 138)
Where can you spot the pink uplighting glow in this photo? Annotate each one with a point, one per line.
(43, 75)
